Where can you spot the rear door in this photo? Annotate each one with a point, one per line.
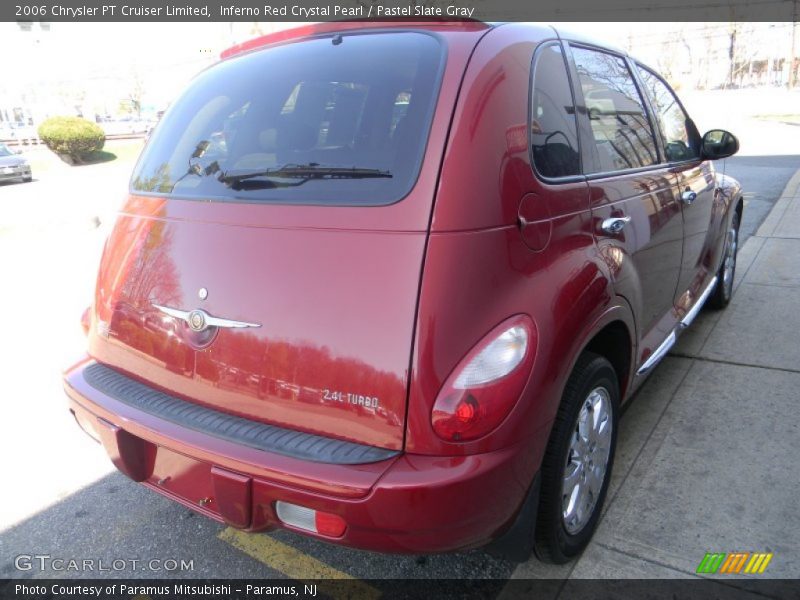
(637, 218)
(694, 186)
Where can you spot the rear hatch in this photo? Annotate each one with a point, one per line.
(267, 262)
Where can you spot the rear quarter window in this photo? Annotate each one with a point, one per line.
(554, 137)
(338, 120)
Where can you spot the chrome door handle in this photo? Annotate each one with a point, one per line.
(688, 196)
(615, 224)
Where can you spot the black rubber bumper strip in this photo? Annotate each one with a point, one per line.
(269, 438)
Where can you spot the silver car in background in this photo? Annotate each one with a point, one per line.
(13, 166)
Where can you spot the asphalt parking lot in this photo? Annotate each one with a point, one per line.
(703, 449)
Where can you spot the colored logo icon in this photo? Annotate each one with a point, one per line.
(734, 563)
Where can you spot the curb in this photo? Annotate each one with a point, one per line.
(793, 185)
(768, 226)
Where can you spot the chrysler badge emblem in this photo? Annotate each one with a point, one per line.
(197, 320)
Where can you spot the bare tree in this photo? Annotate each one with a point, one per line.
(136, 93)
(741, 52)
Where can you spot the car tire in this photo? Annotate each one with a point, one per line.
(574, 482)
(723, 291)
(27, 179)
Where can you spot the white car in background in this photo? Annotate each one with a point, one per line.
(18, 131)
(125, 126)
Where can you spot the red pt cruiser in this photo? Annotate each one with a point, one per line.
(388, 285)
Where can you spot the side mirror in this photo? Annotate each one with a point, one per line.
(719, 143)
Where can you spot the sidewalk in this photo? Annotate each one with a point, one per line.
(708, 450)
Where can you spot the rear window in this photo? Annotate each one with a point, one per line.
(339, 120)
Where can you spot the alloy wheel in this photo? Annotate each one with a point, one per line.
(729, 265)
(587, 460)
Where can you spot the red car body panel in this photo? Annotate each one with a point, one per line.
(322, 337)
(645, 259)
(387, 301)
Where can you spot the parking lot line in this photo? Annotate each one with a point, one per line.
(290, 561)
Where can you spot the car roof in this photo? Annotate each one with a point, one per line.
(314, 29)
(441, 25)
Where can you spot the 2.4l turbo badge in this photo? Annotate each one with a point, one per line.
(348, 398)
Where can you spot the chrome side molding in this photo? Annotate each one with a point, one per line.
(689, 317)
(658, 354)
(670, 340)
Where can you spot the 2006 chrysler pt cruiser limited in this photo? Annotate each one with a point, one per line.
(388, 284)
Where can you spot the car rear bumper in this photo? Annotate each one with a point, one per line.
(405, 503)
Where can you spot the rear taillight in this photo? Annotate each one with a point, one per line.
(311, 520)
(487, 383)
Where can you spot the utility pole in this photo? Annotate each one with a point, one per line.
(792, 69)
(731, 54)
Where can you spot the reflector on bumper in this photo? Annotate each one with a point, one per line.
(310, 520)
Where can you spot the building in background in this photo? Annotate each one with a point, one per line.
(718, 55)
(123, 71)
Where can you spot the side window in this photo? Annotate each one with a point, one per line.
(622, 132)
(679, 135)
(399, 110)
(554, 138)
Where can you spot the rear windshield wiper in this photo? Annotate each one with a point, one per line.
(300, 173)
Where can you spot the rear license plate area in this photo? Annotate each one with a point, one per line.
(216, 492)
(185, 479)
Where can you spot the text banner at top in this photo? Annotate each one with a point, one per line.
(378, 10)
